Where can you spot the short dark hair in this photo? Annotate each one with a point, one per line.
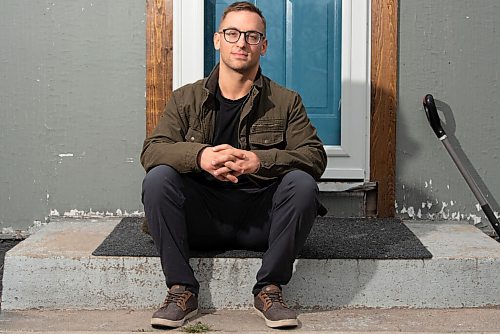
(243, 6)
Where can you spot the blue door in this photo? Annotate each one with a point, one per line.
(304, 38)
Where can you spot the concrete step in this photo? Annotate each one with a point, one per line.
(54, 269)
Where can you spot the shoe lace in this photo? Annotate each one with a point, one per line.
(179, 298)
(274, 297)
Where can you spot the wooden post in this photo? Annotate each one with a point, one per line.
(384, 76)
(159, 46)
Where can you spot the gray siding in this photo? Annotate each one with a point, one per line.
(451, 49)
(72, 107)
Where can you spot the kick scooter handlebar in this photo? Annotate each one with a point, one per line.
(433, 117)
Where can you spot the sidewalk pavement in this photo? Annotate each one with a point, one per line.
(470, 320)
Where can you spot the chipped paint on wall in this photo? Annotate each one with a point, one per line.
(445, 213)
(436, 209)
(11, 232)
(76, 213)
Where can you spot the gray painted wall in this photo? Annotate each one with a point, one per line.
(72, 107)
(451, 49)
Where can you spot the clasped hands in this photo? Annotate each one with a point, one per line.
(226, 163)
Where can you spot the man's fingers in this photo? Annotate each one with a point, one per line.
(225, 174)
(232, 178)
(237, 153)
(228, 176)
(221, 147)
(224, 158)
(244, 166)
(236, 174)
(219, 162)
(222, 171)
(234, 167)
(229, 151)
(222, 178)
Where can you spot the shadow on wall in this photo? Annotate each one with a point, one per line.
(432, 208)
(449, 126)
(406, 149)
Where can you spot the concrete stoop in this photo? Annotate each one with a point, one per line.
(54, 269)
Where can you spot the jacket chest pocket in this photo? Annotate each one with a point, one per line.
(266, 134)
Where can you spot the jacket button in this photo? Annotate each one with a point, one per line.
(192, 138)
(266, 141)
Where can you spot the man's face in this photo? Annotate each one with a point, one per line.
(240, 56)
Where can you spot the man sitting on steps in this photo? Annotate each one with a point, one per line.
(232, 163)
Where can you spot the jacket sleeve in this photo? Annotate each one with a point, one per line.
(304, 150)
(168, 145)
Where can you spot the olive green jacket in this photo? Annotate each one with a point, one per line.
(273, 124)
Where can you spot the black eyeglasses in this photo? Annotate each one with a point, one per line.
(232, 35)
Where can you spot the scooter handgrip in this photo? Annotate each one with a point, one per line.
(432, 116)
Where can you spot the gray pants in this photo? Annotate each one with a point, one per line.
(184, 213)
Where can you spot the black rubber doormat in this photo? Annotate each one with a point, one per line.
(330, 238)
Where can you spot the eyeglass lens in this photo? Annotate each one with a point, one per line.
(233, 35)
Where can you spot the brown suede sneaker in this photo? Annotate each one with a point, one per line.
(179, 305)
(269, 305)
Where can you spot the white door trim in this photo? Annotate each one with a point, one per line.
(188, 41)
(351, 159)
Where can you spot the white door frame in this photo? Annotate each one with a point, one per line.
(351, 159)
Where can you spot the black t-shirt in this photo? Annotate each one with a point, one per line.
(226, 132)
(228, 118)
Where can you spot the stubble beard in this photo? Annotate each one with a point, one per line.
(239, 67)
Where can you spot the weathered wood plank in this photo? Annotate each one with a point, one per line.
(384, 76)
(159, 46)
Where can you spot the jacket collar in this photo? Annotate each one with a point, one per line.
(212, 80)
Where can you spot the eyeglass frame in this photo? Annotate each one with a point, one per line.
(262, 37)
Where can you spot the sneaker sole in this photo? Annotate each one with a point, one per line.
(172, 323)
(277, 323)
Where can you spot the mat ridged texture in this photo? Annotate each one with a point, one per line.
(330, 238)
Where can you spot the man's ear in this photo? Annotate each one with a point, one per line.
(217, 41)
(264, 47)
